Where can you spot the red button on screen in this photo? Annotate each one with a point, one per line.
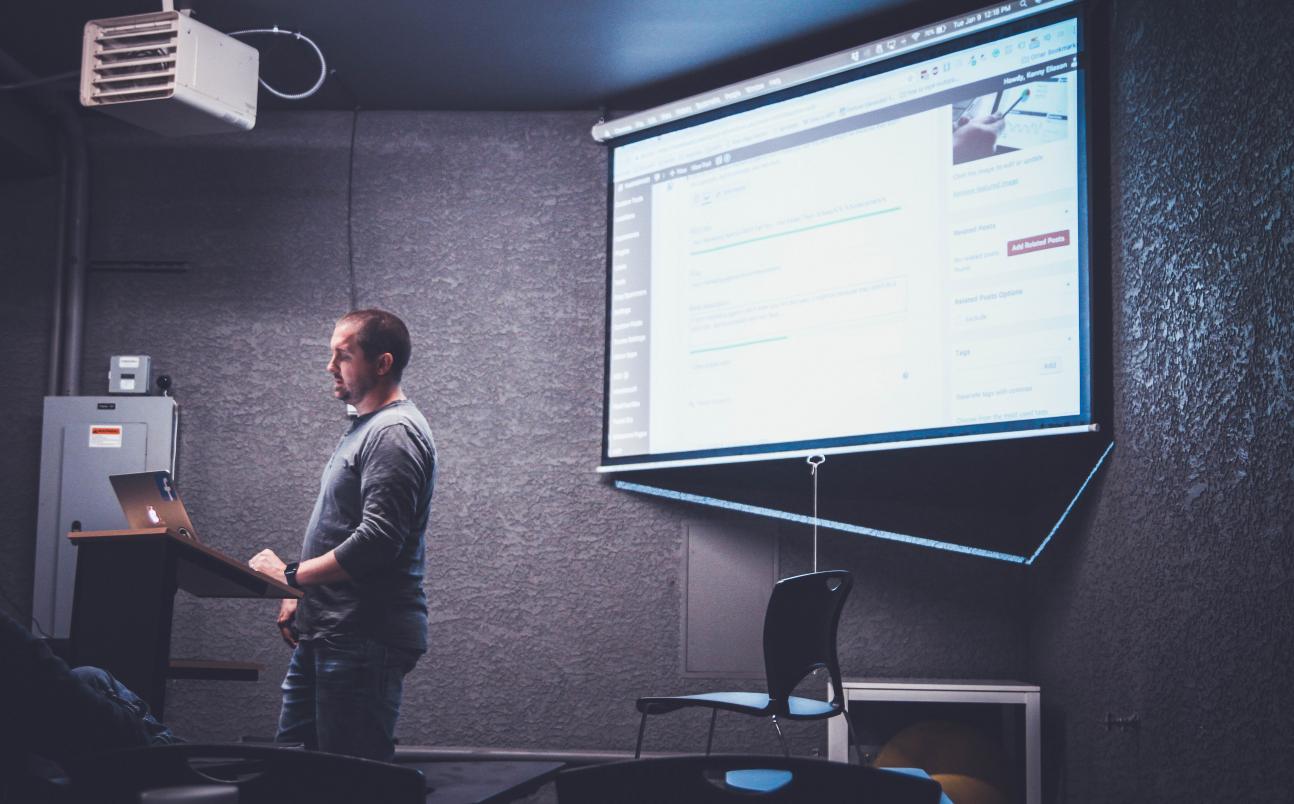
(1037, 243)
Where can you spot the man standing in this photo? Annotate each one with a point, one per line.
(362, 621)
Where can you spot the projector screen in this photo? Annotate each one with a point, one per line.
(895, 255)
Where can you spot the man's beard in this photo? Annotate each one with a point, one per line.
(350, 392)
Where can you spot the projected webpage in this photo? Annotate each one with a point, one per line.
(894, 255)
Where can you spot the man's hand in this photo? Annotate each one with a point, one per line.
(976, 138)
(287, 621)
(270, 564)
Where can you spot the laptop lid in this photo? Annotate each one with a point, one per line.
(149, 500)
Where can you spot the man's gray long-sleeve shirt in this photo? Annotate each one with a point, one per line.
(373, 507)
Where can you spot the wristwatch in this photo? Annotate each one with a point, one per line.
(290, 574)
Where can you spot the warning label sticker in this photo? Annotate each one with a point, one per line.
(105, 435)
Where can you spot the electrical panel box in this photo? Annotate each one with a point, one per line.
(84, 440)
(129, 374)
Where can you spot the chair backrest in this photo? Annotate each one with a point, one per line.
(800, 632)
(260, 773)
(702, 780)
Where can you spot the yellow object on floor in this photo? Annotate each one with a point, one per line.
(968, 790)
(971, 766)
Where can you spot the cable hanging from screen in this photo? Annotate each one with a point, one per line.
(814, 462)
(323, 64)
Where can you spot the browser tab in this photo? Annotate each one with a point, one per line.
(865, 54)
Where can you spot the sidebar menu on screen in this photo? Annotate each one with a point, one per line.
(629, 365)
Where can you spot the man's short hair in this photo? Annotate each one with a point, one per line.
(377, 332)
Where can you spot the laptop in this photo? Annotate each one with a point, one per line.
(149, 500)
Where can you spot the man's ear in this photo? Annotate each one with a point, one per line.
(384, 363)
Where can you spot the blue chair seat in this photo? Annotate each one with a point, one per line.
(740, 780)
(757, 780)
(747, 703)
(920, 774)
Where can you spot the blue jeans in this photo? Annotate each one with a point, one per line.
(342, 695)
(107, 685)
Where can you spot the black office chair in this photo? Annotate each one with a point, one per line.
(799, 637)
(261, 774)
(749, 779)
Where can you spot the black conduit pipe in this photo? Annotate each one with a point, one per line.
(78, 259)
(55, 372)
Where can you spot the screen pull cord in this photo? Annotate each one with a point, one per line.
(814, 462)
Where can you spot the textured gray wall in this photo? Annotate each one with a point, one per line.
(555, 599)
(27, 232)
(1171, 596)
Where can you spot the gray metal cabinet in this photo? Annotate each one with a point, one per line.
(85, 439)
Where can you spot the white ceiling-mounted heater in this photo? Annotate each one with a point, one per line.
(169, 73)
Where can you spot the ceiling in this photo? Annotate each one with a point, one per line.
(498, 54)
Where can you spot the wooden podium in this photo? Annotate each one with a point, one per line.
(125, 593)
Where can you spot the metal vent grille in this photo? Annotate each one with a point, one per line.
(130, 59)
